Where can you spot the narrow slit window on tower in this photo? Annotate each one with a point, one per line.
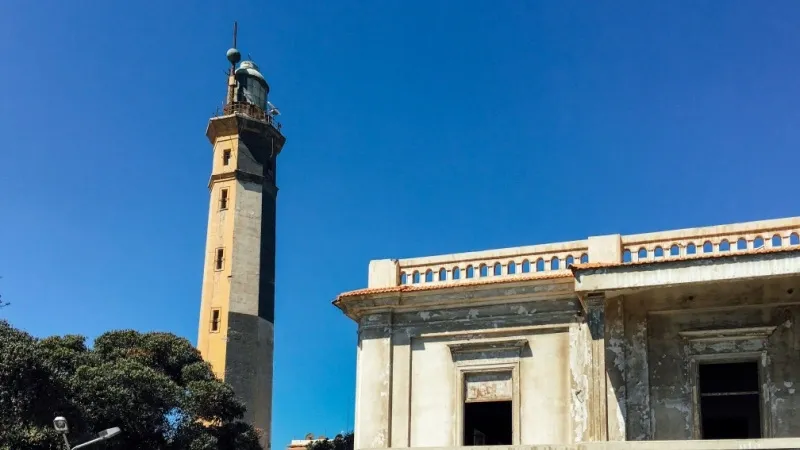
(226, 157)
(215, 320)
(223, 199)
(730, 400)
(219, 259)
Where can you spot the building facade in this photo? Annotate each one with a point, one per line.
(687, 335)
(235, 334)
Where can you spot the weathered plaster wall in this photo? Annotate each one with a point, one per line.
(669, 322)
(408, 385)
(545, 409)
(431, 394)
(542, 384)
(373, 382)
(618, 367)
(730, 444)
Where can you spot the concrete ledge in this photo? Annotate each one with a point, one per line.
(695, 445)
(731, 444)
(688, 271)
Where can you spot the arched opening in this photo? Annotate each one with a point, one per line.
(584, 258)
(428, 276)
(526, 266)
(512, 268)
(403, 278)
(674, 250)
(442, 274)
(794, 239)
(415, 277)
(470, 272)
(626, 256)
(498, 269)
(658, 252)
(554, 263)
(642, 254)
(708, 247)
(570, 261)
(741, 244)
(758, 243)
(540, 265)
(777, 241)
(724, 245)
(691, 249)
(456, 273)
(484, 270)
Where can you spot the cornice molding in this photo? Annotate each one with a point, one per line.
(496, 344)
(358, 306)
(728, 334)
(235, 175)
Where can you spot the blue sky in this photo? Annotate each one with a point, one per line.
(414, 128)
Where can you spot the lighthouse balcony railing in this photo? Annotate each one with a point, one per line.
(252, 111)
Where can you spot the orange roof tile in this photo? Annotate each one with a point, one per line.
(431, 287)
(702, 256)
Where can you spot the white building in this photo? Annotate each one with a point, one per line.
(686, 335)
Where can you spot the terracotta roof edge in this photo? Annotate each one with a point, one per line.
(431, 287)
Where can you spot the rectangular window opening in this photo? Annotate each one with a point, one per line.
(214, 320)
(730, 401)
(226, 157)
(219, 260)
(223, 199)
(487, 423)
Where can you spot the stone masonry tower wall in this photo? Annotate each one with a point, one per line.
(237, 311)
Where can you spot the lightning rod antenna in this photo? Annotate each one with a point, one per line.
(234, 57)
(235, 32)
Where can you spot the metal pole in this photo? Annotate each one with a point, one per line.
(66, 442)
(86, 444)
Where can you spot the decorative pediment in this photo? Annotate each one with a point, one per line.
(728, 334)
(488, 345)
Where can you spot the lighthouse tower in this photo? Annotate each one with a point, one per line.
(237, 311)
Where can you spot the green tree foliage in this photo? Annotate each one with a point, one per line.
(154, 386)
(340, 442)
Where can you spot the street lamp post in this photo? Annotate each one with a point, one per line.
(62, 428)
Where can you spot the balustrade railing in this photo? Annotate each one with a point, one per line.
(506, 263)
(252, 111)
(709, 241)
(556, 258)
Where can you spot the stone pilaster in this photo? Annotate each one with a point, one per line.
(595, 320)
(615, 368)
(637, 383)
(373, 412)
(401, 390)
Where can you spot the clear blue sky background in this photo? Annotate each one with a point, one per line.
(414, 128)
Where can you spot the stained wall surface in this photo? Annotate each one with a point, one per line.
(409, 365)
(602, 339)
(640, 384)
(751, 321)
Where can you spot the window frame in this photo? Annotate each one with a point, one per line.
(509, 357)
(761, 360)
(219, 262)
(759, 344)
(218, 322)
(224, 197)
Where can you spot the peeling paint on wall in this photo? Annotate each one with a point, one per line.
(578, 358)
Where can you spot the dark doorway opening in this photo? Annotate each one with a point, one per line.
(487, 423)
(730, 401)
